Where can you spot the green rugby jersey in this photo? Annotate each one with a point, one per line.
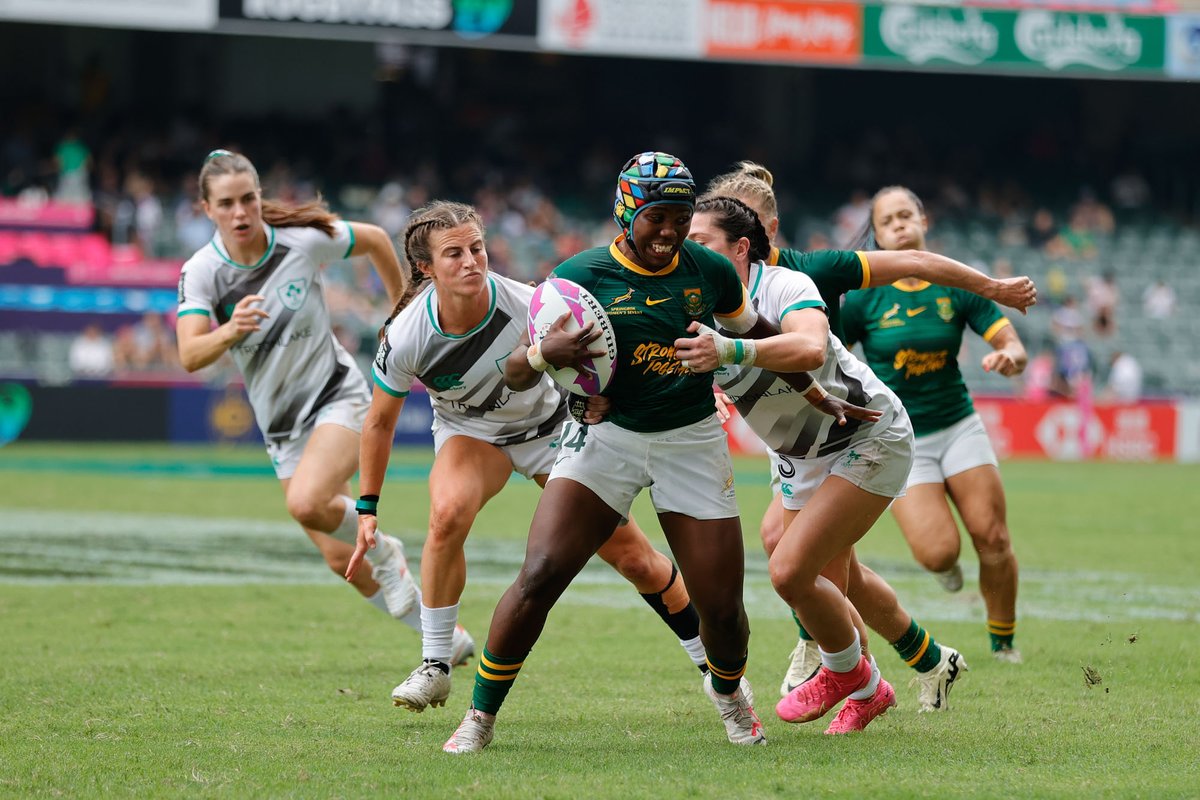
(650, 389)
(911, 338)
(835, 272)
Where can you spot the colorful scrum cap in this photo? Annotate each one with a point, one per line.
(649, 179)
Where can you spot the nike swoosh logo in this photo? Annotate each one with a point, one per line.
(912, 312)
(651, 302)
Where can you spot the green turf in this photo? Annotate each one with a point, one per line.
(168, 632)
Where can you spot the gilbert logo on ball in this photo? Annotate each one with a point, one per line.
(558, 296)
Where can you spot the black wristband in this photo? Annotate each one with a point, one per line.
(367, 504)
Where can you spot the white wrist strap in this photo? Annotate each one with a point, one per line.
(816, 393)
(534, 354)
(731, 351)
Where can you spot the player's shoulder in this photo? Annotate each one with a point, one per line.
(586, 266)
(778, 277)
(303, 236)
(509, 287)
(709, 263)
(205, 259)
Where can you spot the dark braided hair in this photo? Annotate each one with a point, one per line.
(439, 215)
(864, 239)
(737, 220)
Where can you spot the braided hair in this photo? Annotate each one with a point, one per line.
(439, 215)
(737, 220)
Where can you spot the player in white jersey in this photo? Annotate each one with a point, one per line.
(847, 470)
(453, 331)
(259, 281)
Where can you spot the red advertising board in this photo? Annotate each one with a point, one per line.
(1064, 431)
(784, 31)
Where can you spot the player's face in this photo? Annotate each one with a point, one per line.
(460, 262)
(899, 224)
(705, 231)
(234, 204)
(659, 231)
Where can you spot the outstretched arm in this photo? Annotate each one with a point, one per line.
(374, 451)
(373, 242)
(889, 266)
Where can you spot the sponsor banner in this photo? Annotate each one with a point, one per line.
(157, 14)
(771, 30)
(648, 28)
(1064, 431)
(1183, 46)
(470, 19)
(1030, 40)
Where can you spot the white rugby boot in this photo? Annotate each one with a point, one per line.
(742, 725)
(933, 687)
(425, 686)
(803, 663)
(474, 733)
(390, 571)
(462, 647)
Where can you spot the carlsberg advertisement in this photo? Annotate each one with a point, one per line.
(1026, 41)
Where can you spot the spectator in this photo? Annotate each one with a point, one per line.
(1067, 322)
(1039, 375)
(1094, 216)
(147, 345)
(389, 211)
(1158, 300)
(91, 354)
(1130, 191)
(73, 160)
(1076, 241)
(1041, 230)
(1124, 378)
(1102, 299)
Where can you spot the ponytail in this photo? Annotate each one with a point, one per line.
(280, 215)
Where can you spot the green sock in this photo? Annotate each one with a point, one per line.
(800, 627)
(726, 677)
(1001, 634)
(493, 679)
(918, 649)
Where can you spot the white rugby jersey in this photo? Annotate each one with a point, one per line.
(780, 415)
(464, 374)
(294, 365)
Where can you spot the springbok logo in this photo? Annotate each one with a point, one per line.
(294, 293)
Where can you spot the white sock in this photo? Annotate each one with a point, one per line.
(437, 632)
(868, 691)
(695, 650)
(843, 660)
(412, 619)
(347, 530)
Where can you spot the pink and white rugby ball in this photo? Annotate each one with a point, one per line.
(557, 296)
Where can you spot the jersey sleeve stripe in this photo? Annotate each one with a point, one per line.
(995, 328)
(385, 387)
(187, 311)
(349, 249)
(803, 304)
(866, 265)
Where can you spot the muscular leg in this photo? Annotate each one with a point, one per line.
(466, 474)
(927, 524)
(979, 496)
(711, 559)
(836, 517)
(773, 524)
(314, 496)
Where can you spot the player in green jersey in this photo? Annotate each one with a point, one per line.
(661, 434)
(911, 333)
(837, 272)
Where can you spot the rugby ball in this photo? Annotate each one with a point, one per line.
(557, 296)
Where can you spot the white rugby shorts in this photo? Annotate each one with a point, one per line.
(688, 469)
(348, 411)
(533, 457)
(945, 453)
(879, 465)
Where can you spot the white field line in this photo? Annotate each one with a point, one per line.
(158, 549)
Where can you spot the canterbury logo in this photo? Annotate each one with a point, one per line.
(652, 302)
(912, 312)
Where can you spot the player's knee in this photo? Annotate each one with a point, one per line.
(992, 543)
(306, 509)
(791, 581)
(770, 531)
(938, 556)
(540, 581)
(639, 570)
(449, 521)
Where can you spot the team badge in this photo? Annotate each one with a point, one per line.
(693, 302)
(945, 309)
(294, 293)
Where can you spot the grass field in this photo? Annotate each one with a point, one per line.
(165, 631)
